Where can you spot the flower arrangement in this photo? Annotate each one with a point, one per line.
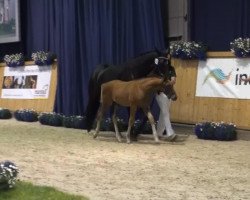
(216, 131)
(42, 58)
(188, 50)
(14, 60)
(8, 174)
(5, 113)
(240, 47)
(122, 125)
(51, 119)
(77, 122)
(26, 115)
(107, 125)
(145, 129)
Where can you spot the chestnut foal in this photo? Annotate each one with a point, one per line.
(133, 94)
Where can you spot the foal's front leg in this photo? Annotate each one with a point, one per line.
(117, 133)
(152, 122)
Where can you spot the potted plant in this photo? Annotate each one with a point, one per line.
(5, 113)
(188, 50)
(42, 58)
(26, 115)
(14, 60)
(8, 174)
(77, 122)
(226, 132)
(216, 131)
(240, 47)
(51, 119)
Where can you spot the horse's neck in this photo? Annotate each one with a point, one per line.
(159, 71)
(141, 60)
(140, 71)
(138, 67)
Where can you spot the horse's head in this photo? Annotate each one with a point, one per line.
(162, 62)
(162, 65)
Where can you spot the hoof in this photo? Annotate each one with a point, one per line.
(128, 141)
(119, 140)
(118, 137)
(157, 141)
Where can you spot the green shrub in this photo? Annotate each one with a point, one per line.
(5, 113)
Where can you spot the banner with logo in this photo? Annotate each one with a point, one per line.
(222, 77)
(28, 82)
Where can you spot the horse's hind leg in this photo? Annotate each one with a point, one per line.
(114, 118)
(131, 122)
(100, 113)
(98, 122)
(152, 122)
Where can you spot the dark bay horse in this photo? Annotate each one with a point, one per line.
(133, 94)
(135, 68)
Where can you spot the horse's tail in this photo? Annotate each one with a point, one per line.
(93, 103)
(94, 91)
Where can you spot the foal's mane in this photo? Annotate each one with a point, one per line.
(152, 81)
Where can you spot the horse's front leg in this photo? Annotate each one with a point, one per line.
(152, 123)
(114, 118)
(131, 122)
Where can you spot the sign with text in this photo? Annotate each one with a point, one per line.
(222, 77)
(27, 82)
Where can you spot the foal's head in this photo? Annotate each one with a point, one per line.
(170, 91)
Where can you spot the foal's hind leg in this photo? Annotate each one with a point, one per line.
(117, 133)
(98, 122)
(100, 113)
(152, 122)
(131, 122)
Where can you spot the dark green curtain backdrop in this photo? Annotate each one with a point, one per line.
(84, 33)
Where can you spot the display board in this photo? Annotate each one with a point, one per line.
(41, 97)
(191, 109)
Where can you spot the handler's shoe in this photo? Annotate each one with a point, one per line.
(172, 138)
(176, 138)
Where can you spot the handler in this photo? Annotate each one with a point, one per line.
(164, 102)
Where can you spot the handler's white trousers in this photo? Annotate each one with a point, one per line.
(164, 118)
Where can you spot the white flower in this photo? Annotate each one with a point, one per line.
(8, 173)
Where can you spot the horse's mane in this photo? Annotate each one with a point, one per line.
(140, 59)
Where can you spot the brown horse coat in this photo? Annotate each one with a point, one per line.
(133, 94)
